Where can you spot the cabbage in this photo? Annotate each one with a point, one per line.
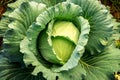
(58, 40)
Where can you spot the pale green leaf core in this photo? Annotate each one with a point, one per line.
(63, 48)
(64, 37)
(67, 30)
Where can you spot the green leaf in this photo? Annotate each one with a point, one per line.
(16, 4)
(100, 21)
(10, 45)
(15, 71)
(22, 18)
(116, 32)
(25, 15)
(50, 2)
(12, 6)
(4, 26)
(101, 66)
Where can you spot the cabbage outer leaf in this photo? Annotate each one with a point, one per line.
(14, 71)
(50, 2)
(100, 21)
(17, 3)
(101, 66)
(4, 26)
(22, 17)
(5, 21)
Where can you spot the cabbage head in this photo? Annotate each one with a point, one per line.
(58, 40)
